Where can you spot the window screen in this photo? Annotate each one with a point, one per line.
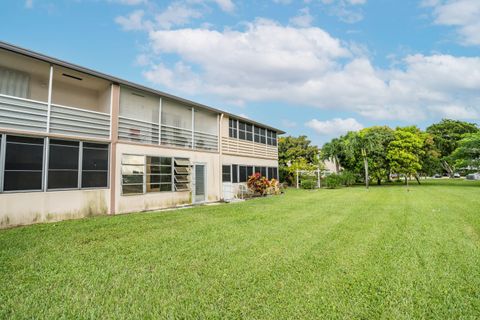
(226, 174)
(94, 165)
(23, 163)
(272, 173)
(159, 174)
(63, 164)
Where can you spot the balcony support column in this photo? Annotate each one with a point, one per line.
(49, 101)
(193, 128)
(114, 112)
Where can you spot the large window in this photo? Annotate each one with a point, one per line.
(244, 173)
(94, 165)
(63, 164)
(241, 173)
(260, 135)
(261, 170)
(272, 173)
(142, 174)
(23, 169)
(271, 138)
(23, 163)
(226, 173)
(159, 174)
(245, 131)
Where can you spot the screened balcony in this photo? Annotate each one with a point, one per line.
(146, 118)
(79, 104)
(23, 92)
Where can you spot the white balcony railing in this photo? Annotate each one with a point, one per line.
(79, 122)
(178, 137)
(23, 114)
(30, 115)
(205, 141)
(137, 130)
(147, 132)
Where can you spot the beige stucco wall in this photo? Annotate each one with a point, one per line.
(159, 200)
(35, 207)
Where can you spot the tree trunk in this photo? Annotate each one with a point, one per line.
(418, 179)
(447, 168)
(379, 181)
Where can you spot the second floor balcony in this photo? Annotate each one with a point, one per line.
(36, 96)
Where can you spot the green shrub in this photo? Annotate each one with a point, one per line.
(348, 178)
(308, 184)
(333, 181)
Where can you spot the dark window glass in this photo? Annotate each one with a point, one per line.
(226, 175)
(245, 131)
(63, 164)
(94, 165)
(234, 173)
(232, 128)
(275, 173)
(95, 159)
(270, 173)
(23, 163)
(262, 136)
(249, 171)
(242, 173)
(257, 134)
(249, 132)
(93, 179)
(261, 170)
(241, 135)
(274, 138)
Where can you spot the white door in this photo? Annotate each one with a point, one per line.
(199, 182)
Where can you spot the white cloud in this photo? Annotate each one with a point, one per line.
(347, 11)
(29, 4)
(134, 21)
(462, 14)
(334, 127)
(176, 14)
(303, 19)
(226, 5)
(306, 66)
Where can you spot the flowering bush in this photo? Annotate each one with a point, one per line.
(275, 187)
(258, 184)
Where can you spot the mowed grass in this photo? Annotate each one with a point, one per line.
(349, 254)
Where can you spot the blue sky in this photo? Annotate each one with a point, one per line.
(314, 67)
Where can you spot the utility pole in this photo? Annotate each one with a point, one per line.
(365, 161)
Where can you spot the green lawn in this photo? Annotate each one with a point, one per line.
(346, 253)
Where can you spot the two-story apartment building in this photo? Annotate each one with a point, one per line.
(75, 142)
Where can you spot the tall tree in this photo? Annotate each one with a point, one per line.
(446, 135)
(468, 152)
(375, 141)
(298, 150)
(405, 151)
